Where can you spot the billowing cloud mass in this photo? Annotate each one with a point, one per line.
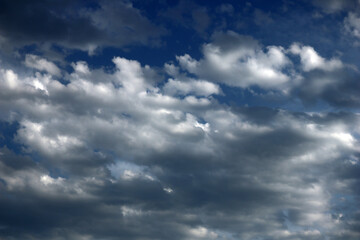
(239, 61)
(244, 139)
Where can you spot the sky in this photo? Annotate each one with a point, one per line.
(182, 120)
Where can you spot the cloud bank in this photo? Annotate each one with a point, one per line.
(176, 150)
(113, 152)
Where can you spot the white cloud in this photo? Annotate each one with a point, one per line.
(34, 134)
(129, 171)
(47, 180)
(42, 64)
(130, 212)
(81, 67)
(202, 233)
(10, 79)
(168, 190)
(239, 61)
(311, 60)
(197, 87)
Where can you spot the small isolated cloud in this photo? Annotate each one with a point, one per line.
(352, 24)
(226, 8)
(333, 6)
(261, 18)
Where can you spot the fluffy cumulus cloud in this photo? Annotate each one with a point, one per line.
(310, 59)
(126, 150)
(239, 61)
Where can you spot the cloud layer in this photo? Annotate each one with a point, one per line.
(244, 139)
(107, 153)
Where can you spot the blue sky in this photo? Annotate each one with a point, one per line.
(234, 120)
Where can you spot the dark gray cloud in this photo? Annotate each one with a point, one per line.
(189, 15)
(230, 188)
(339, 88)
(74, 24)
